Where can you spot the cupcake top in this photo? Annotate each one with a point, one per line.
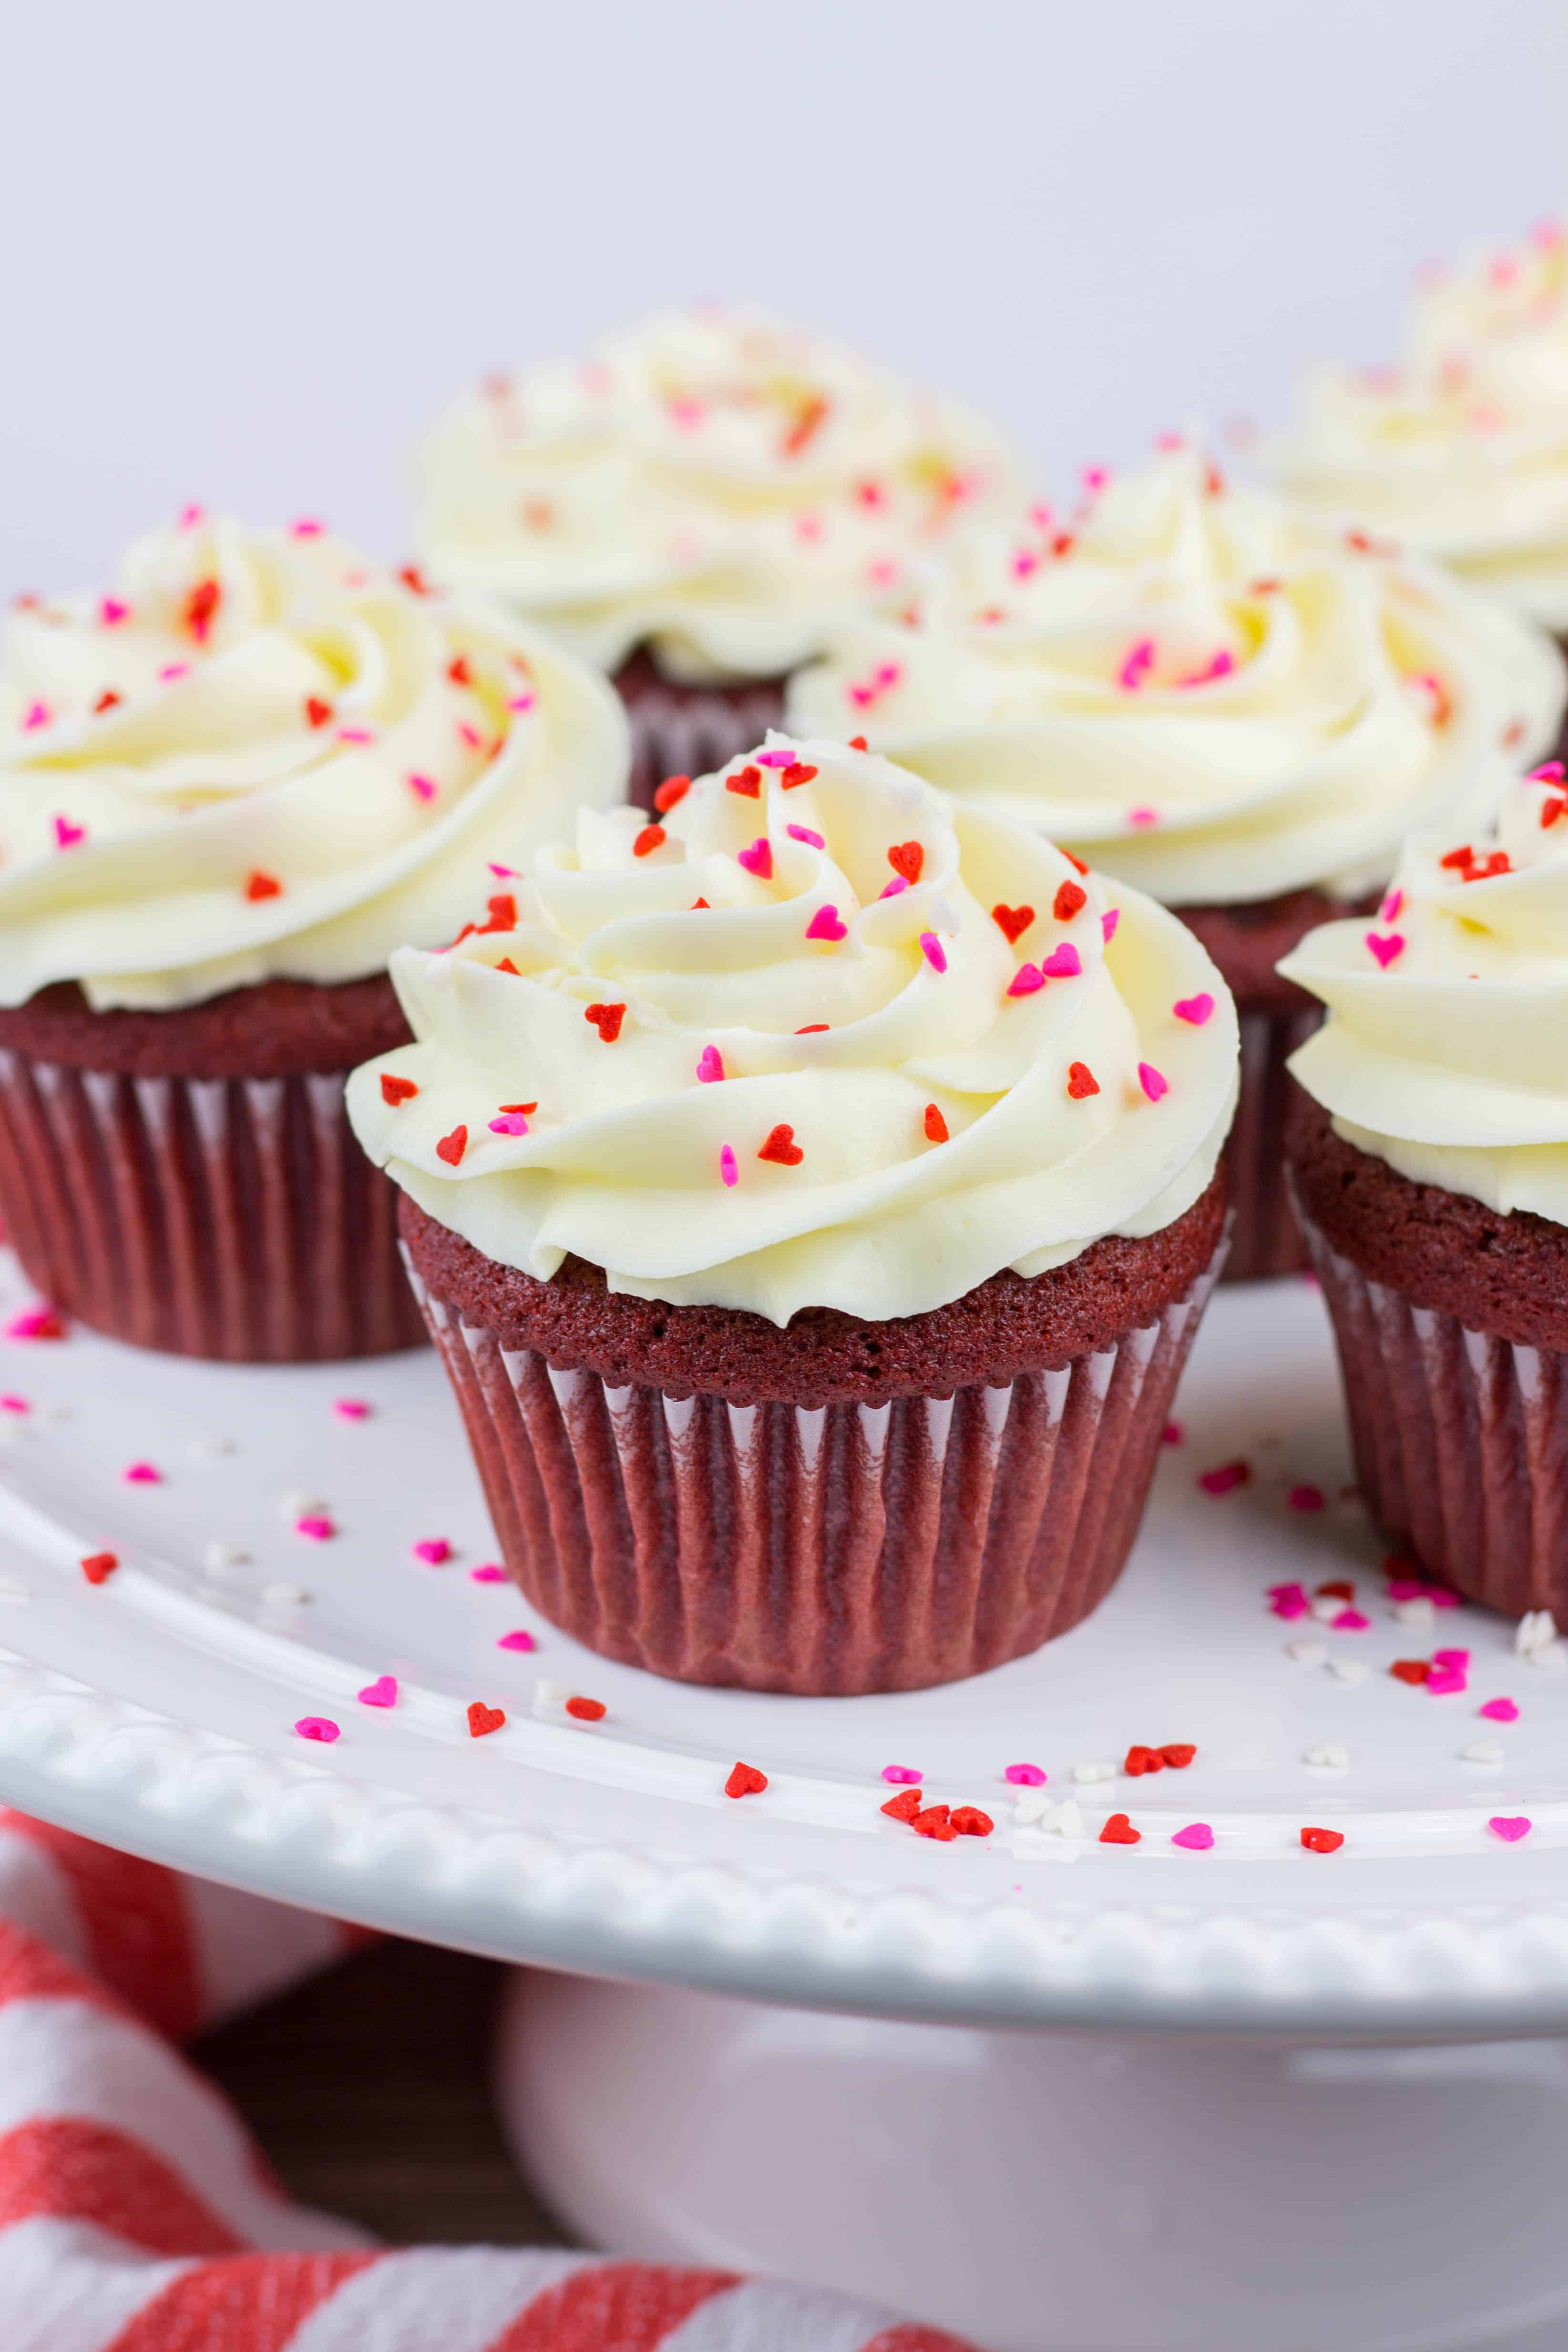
(260, 758)
(812, 1039)
(1446, 1049)
(1202, 689)
(714, 483)
(1462, 448)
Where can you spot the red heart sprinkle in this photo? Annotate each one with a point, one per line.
(936, 1124)
(317, 712)
(452, 1146)
(1068, 900)
(606, 1019)
(935, 1821)
(200, 605)
(746, 781)
(457, 670)
(795, 774)
(397, 1090)
(906, 857)
(673, 789)
(1323, 1841)
(503, 909)
(1119, 1830)
(859, 743)
(1081, 1081)
(1410, 1670)
(1340, 1589)
(905, 1805)
(1143, 1759)
(781, 1147)
(263, 885)
(812, 1028)
(969, 1822)
(505, 964)
(414, 578)
(651, 837)
(746, 1780)
(1012, 921)
(585, 1710)
(1179, 1754)
(524, 1108)
(98, 1565)
(1076, 863)
(483, 1718)
(107, 700)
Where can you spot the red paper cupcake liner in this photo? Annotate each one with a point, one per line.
(232, 1218)
(1266, 1239)
(848, 1548)
(690, 731)
(1460, 1438)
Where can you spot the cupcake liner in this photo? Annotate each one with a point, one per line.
(1266, 1239)
(847, 1548)
(690, 731)
(234, 1218)
(1460, 1438)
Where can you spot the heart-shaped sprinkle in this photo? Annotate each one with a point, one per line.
(585, 1710)
(1026, 981)
(382, 1692)
(1386, 946)
(895, 888)
(710, 1065)
(98, 1565)
(746, 781)
(316, 1727)
(606, 1019)
(1151, 1081)
(651, 837)
(1139, 1761)
(903, 1775)
(315, 1526)
(435, 1551)
(746, 1780)
(968, 1821)
(511, 1122)
(1500, 1710)
(796, 774)
(1510, 1827)
(670, 793)
(1013, 921)
(397, 1090)
(259, 885)
(1195, 1010)
(825, 924)
(1081, 1081)
(935, 954)
(1323, 1841)
(1179, 1754)
(489, 1572)
(1289, 1600)
(804, 833)
(1025, 1775)
(1197, 1838)
(1225, 1477)
(907, 857)
(1064, 962)
(904, 1806)
(757, 858)
(111, 612)
(781, 1147)
(1141, 818)
(317, 712)
(1069, 901)
(1306, 1498)
(520, 1640)
(1447, 1681)
(934, 1821)
(1108, 923)
(936, 1124)
(142, 1474)
(452, 1146)
(67, 835)
(483, 1718)
(1119, 1830)
(727, 1169)
(1349, 1620)
(1410, 1670)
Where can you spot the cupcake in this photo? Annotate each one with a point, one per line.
(813, 1200)
(1430, 1156)
(229, 790)
(1460, 450)
(1220, 699)
(696, 505)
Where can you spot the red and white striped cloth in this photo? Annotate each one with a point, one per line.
(136, 2216)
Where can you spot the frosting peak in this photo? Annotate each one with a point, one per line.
(812, 1039)
(714, 480)
(261, 757)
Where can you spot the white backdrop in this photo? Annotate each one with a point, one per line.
(249, 252)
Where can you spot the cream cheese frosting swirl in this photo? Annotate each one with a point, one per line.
(1446, 1049)
(262, 758)
(1462, 448)
(714, 482)
(1201, 688)
(816, 1039)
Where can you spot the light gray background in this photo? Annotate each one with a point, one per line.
(250, 251)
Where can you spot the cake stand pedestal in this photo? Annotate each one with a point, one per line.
(1060, 2193)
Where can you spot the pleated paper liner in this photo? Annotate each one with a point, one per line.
(849, 1548)
(1265, 1240)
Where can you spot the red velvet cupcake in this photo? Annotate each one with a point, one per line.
(813, 1200)
(228, 791)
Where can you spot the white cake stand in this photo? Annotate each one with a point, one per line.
(1270, 2171)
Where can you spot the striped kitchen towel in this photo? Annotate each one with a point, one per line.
(136, 2216)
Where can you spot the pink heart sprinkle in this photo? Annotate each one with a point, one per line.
(1406, 1588)
(505, 873)
(1024, 1776)
(422, 788)
(15, 1404)
(316, 1528)
(1458, 1659)
(1026, 980)
(935, 954)
(1194, 1009)
(511, 1122)
(142, 1474)
(1510, 1827)
(710, 1065)
(111, 612)
(189, 517)
(1390, 909)
(1224, 1478)
(903, 1775)
(1173, 1434)
(825, 925)
(1500, 1710)
(1305, 1498)
(307, 527)
(520, 702)
(1444, 1682)
(316, 1727)
(488, 1572)
(1142, 817)
(1290, 1609)
(1197, 1837)
(1064, 962)
(382, 1692)
(517, 1641)
(38, 716)
(775, 759)
(355, 735)
(433, 1550)
(172, 671)
(1130, 677)
(1108, 923)
(1152, 1083)
(1441, 1597)
(67, 835)
(895, 888)
(726, 1167)
(1350, 1620)
(352, 1409)
(1385, 948)
(36, 1323)
(757, 858)
(803, 833)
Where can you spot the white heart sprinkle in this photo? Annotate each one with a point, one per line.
(1328, 1756)
(220, 1559)
(1482, 1751)
(1307, 1653)
(1094, 1770)
(1349, 1670)
(1419, 1611)
(284, 1596)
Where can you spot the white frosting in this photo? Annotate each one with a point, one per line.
(712, 481)
(1446, 1049)
(251, 710)
(624, 1160)
(1204, 691)
(1462, 449)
